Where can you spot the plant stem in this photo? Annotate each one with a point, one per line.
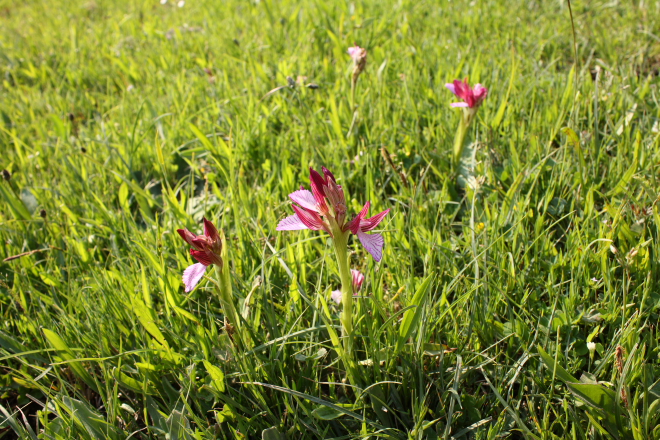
(227, 297)
(341, 251)
(459, 139)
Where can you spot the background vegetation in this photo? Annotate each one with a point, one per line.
(122, 121)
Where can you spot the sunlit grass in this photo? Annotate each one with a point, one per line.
(519, 303)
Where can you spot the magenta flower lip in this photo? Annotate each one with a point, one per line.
(472, 97)
(206, 249)
(325, 205)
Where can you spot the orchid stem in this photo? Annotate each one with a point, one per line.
(461, 132)
(341, 250)
(227, 299)
(353, 84)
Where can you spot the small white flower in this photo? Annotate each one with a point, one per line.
(181, 3)
(591, 346)
(163, 2)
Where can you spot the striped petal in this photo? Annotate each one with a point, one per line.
(309, 218)
(291, 223)
(373, 243)
(187, 236)
(192, 275)
(371, 223)
(210, 231)
(305, 199)
(205, 258)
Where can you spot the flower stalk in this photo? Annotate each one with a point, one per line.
(341, 252)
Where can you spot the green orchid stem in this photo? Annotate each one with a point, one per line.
(461, 133)
(341, 250)
(227, 299)
(353, 86)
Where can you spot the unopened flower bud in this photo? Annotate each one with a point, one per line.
(359, 56)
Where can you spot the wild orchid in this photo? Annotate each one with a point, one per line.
(206, 249)
(359, 56)
(324, 208)
(472, 98)
(209, 250)
(358, 279)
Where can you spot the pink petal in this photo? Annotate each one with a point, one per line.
(354, 225)
(192, 275)
(358, 279)
(462, 88)
(207, 258)
(373, 243)
(210, 230)
(328, 175)
(309, 218)
(317, 182)
(459, 104)
(187, 236)
(291, 223)
(336, 296)
(305, 199)
(451, 87)
(480, 93)
(371, 223)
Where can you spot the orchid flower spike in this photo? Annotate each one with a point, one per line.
(359, 56)
(324, 208)
(358, 279)
(472, 97)
(206, 249)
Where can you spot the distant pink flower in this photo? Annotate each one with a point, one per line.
(358, 279)
(324, 208)
(206, 249)
(359, 56)
(357, 53)
(472, 97)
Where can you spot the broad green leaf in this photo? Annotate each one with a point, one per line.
(217, 376)
(560, 372)
(135, 385)
(271, 433)
(326, 413)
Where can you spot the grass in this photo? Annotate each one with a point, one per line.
(123, 121)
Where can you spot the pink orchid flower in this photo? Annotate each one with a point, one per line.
(206, 249)
(358, 279)
(358, 54)
(472, 97)
(324, 208)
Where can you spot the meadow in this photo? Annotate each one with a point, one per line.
(518, 292)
